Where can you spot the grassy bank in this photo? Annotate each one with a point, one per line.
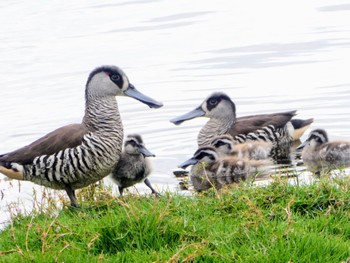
(276, 223)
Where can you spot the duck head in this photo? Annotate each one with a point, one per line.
(107, 81)
(217, 105)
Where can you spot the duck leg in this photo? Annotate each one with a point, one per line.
(121, 189)
(72, 197)
(148, 183)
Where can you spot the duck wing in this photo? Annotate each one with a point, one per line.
(68, 136)
(247, 124)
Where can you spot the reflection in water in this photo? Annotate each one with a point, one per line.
(293, 57)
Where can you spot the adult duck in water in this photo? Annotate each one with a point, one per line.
(221, 111)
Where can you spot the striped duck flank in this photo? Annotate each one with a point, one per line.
(209, 170)
(77, 155)
(133, 166)
(321, 156)
(254, 150)
(221, 111)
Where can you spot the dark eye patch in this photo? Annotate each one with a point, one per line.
(212, 102)
(132, 143)
(318, 139)
(115, 77)
(219, 143)
(202, 155)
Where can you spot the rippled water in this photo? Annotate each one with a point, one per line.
(267, 55)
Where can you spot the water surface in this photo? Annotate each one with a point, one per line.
(267, 56)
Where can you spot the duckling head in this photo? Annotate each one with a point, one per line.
(204, 154)
(316, 138)
(223, 144)
(134, 146)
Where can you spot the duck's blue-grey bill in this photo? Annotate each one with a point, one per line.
(188, 163)
(134, 93)
(145, 151)
(197, 112)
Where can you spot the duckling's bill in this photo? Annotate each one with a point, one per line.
(146, 152)
(301, 146)
(187, 163)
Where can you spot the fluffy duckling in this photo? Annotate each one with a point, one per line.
(209, 170)
(321, 155)
(133, 166)
(255, 150)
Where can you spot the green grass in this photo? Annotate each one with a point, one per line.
(276, 223)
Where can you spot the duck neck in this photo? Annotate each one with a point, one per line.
(102, 114)
(215, 127)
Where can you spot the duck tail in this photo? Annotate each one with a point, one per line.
(299, 127)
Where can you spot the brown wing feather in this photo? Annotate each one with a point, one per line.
(65, 137)
(251, 123)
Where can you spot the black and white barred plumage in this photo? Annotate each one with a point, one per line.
(269, 133)
(77, 167)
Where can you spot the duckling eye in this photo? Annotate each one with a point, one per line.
(115, 77)
(213, 101)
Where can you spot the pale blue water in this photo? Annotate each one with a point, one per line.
(267, 55)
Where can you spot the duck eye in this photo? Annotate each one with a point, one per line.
(213, 101)
(115, 77)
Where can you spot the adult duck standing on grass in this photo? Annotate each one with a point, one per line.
(77, 155)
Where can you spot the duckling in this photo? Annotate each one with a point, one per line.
(320, 155)
(77, 155)
(209, 170)
(255, 150)
(221, 111)
(133, 166)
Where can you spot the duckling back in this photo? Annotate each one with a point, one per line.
(254, 150)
